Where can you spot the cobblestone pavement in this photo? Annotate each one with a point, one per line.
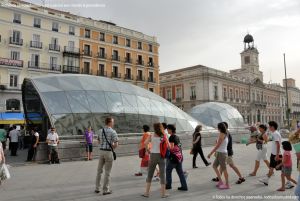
(75, 181)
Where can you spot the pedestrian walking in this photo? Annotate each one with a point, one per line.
(14, 140)
(276, 156)
(52, 141)
(286, 165)
(89, 137)
(108, 140)
(175, 160)
(157, 158)
(34, 140)
(221, 156)
(261, 146)
(21, 138)
(3, 136)
(2, 161)
(197, 147)
(143, 153)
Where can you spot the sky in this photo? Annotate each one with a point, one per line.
(207, 32)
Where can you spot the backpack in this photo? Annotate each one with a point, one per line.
(164, 149)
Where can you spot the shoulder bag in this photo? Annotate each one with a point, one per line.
(114, 153)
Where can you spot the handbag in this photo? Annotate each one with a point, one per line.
(191, 151)
(176, 155)
(112, 149)
(4, 173)
(142, 153)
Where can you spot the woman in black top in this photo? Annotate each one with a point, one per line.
(197, 147)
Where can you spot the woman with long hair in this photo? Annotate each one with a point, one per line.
(142, 146)
(156, 159)
(221, 156)
(197, 146)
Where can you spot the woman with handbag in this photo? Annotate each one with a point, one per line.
(197, 147)
(143, 154)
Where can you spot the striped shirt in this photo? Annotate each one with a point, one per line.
(111, 136)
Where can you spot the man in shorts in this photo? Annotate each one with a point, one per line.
(276, 156)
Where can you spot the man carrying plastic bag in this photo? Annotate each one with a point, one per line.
(4, 173)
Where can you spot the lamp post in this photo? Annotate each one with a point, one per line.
(287, 96)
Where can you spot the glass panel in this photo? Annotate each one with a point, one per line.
(56, 102)
(97, 101)
(114, 102)
(130, 104)
(47, 84)
(68, 83)
(78, 101)
(144, 106)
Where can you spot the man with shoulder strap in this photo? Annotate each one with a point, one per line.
(108, 140)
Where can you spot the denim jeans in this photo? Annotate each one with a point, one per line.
(297, 190)
(169, 169)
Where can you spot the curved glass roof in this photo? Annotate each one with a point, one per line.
(73, 102)
(212, 113)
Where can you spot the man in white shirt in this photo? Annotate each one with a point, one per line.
(276, 156)
(52, 141)
(14, 140)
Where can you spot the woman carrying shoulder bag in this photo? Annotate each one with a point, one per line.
(197, 147)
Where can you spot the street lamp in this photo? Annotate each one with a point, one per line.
(287, 96)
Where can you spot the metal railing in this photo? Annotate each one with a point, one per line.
(87, 53)
(140, 62)
(36, 44)
(70, 69)
(44, 66)
(102, 73)
(115, 58)
(71, 50)
(140, 78)
(128, 77)
(115, 75)
(101, 55)
(54, 47)
(15, 41)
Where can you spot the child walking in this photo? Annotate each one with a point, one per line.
(286, 165)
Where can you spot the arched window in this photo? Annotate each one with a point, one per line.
(12, 104)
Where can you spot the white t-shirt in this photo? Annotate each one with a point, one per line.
(276, 138)
(14, 135)
(53, 138)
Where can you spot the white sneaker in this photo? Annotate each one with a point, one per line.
(265, 181)
(289, 185)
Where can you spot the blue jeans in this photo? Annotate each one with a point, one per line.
(169, 169)
(297, 190)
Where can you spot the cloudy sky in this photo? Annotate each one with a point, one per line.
(209, 32)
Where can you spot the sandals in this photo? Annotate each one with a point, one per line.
(145, 196)
(252, 174)
(215, 179)
(164, 196)
(241, 180)
(281, 189)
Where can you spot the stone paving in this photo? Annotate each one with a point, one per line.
(75, 181)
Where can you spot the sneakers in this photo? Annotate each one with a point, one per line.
(224, 187)
(219, 184)
(289, 185)
(182, 189)
(265, 181)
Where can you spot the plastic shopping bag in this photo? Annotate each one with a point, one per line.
(4, 173)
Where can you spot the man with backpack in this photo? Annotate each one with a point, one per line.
(175, 160)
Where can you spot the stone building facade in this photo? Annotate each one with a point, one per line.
(242, 88)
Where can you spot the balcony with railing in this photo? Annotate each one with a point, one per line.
(115, 75)
(115, 58)
(15, 41)
(71, 51)
(17, 21)
(150, 64)
(36, 44)
(54, 47)
(140, 62)
(151, 79)
(101, 55)
(259, 104)
(128, 60)
(140, 78)
(44, 66)
(128, 77)
(102, 73)
(37, 25)
(71, 69)
(178, 99)
(87, 53)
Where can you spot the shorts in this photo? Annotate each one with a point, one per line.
(262, 154)
(51, 149)
(229, 160)
(89, 147)
(221, 159)
(273, 162)
(286, 171)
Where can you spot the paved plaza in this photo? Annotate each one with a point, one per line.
(75, 181)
